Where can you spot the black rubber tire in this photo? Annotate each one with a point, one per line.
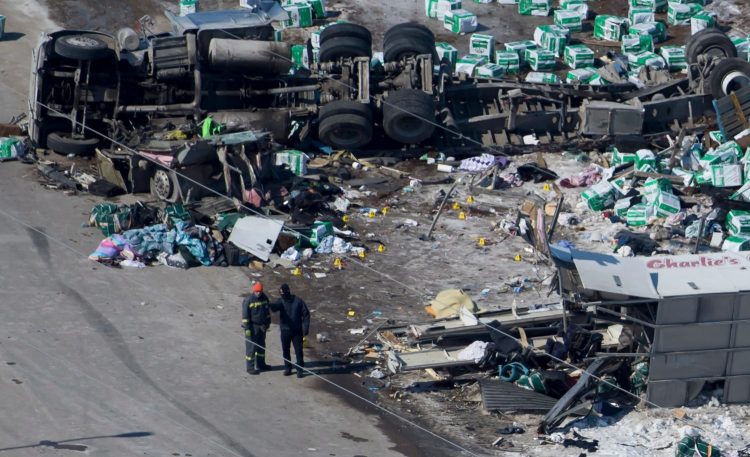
(345, 131)
(62, 143)
(409, 116)
(82, 47)
(337, 48)
(346, 29)
(345, 107)
(724, 68)
(714, 43)
(693, 38)
(408, 46)
(407, 28)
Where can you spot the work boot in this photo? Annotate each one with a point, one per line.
(300, 374)
(287, 371)
(252, 371)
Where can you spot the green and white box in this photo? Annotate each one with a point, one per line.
(580, 75)
(598, 80)
(657, 6)
(736, 243)
(446, 50)
(680, 14)
(674, 56)
(579, 56)
(657, 30)
(570, 19)
(581, 6)
(640, 14)
(646, 59)
(702, 20)
(482, 45)
(188, 7)
(490, 70)
(743, 45)
(520, 47)
(509, 60)
(542, 77)
(468, 64)
(300, 15)
(552, 38)
(727, 175)
(639, 214)
(729, 152)
(599, 196)
(296, 160)
(666, 204)
(653, 186)
(738, 221)
(621, 207)
(299, 56)
(540, 59)
(460, 21)
(508, 2)
(483, 1)
(619, 157)
(430, 8)
(318, 6)
(607, 27)
(635, 43)
(645, 160)
(444, 6)
(534, 7)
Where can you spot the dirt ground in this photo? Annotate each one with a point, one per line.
(395, 285)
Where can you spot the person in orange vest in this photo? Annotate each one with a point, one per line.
(256, 318)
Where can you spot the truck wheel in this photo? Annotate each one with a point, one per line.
(409, 116)
(729, 75)
(408, 42)
(345, 124)
(712, 43)
(346, 30)
(64, 143)
(410, 28)
(81, 47)
(341, 47)
(163, 186)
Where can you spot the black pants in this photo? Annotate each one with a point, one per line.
(255, 345)
(288, 338)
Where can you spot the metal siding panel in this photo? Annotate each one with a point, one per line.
(680, 310)
(716, 308)
(739, 363)
(744, 307)
(691, 338)
(667, 393)
(685, 366)
(737, 390)
(742, 335)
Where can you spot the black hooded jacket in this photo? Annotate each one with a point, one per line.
(293, 314)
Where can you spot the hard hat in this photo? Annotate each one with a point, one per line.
(257, 287)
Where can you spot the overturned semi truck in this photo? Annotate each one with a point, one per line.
(226, 65)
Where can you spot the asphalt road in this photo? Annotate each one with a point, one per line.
(139, 362)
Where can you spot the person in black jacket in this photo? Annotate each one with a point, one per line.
(256, 317)
(294, 321)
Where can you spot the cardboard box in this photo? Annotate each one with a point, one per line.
(448, 51)
(645, 160)
(520, 47)
(579, 56)
(444, 6)
(702, 20)
(509, 60)
(737, 222)
(599, 196)
(468, 64)
(534, 7)
(680, 13)
(657, 6)
(674, 56)
(639, 214)
(729, 152)
(300, 15)
(580, 75)
(619, 157)
(634, 43)
(540, 59)
(580, 6)
(296, 160)
(460, 21)
(640, 14)
(299, 56)
(490, 70)
(727, 175)
(542, 77)
(736, 243)
(647, 59)
(552, 38)
(653, 187)
(482, 45)
(607, 27)
(666, 204)
(742, 44)
(570, 19)
(657, 30)
(318, 6)
(622, 206)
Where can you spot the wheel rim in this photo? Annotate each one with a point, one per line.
(715, 51)
(347, 135)
(162, 184)
(734, 81)
(82, 41)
